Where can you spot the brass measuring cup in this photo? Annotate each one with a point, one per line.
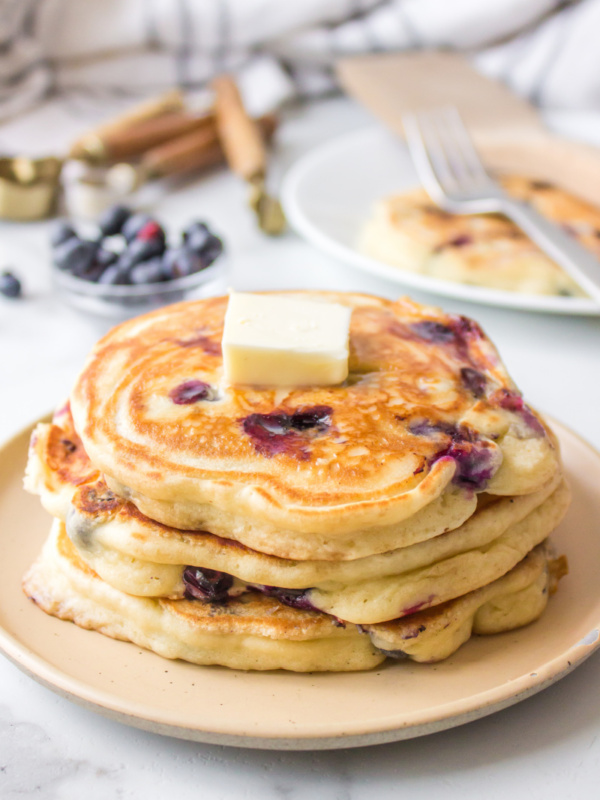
(28, 187)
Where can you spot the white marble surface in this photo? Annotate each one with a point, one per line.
(546, 747)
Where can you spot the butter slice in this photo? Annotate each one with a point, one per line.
(274, 340)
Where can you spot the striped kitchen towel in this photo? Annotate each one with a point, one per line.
(280, 49)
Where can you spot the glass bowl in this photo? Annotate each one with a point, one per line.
(122, 302)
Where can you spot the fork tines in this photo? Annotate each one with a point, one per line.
(444, 154)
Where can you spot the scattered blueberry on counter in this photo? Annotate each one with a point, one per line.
(132, 249)
(10, 286)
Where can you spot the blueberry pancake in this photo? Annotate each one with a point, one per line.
(312, 528)
(111, 534)
(420, 576)
(142, 557)
(428, 413)
(256, 632)
(146, 558)
(249, 632)
(57, 463)
(514, 600)
(411, 232)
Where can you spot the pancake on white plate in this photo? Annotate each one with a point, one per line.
(409, 231)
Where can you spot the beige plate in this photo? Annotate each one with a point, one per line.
(279, 710)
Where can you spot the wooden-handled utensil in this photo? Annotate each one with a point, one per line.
(509, 132)
(245, 151)
(95, 145)
(198, 149)
(130, 143)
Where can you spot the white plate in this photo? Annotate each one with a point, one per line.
(282, 710)
(329, 193)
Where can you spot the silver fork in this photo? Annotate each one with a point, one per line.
(453, 175)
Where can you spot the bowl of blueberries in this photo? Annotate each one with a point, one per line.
(129, 267)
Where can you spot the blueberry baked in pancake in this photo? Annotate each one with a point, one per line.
(390, 514)
(409, 231)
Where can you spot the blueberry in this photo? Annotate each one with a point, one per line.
(192, 392)
(315, 417)
(10, 286)
(147, 271)
(61, 231)
(93, 273)
(104, 257)
(460, 241)
(296, 598)
(512, 401)
(433, 331)
(474, 381)
(195, 236)
(180, 261)
(134, 225)
(75, 255)
(199, 240)
(113, 219)
(206, 584)
(141, 250)
(114, 275)
(275, 432)
(426, 428)
(475, 463)
(509, 400)
(211, 251)
(151, 230)
(194, 225)
(62, 252)
(169, 261)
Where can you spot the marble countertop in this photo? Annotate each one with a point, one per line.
(545, 747)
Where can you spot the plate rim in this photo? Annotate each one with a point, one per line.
(135, 714)
(304, 227)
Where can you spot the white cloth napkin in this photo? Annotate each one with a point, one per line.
(546, 50)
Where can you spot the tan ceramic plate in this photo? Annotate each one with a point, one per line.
(279, 710)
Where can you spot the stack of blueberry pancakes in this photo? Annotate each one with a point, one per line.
(301, 528)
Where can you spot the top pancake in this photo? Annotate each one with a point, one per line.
(428, 409)
(409, 231)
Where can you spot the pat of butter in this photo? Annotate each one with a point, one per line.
(274, 340)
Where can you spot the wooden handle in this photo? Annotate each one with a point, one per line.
(571, 165)
(199, 149)
(123, 145)
(239, 135)
(390, 84)
(90, 145)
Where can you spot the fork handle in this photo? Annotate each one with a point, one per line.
(578, 262)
